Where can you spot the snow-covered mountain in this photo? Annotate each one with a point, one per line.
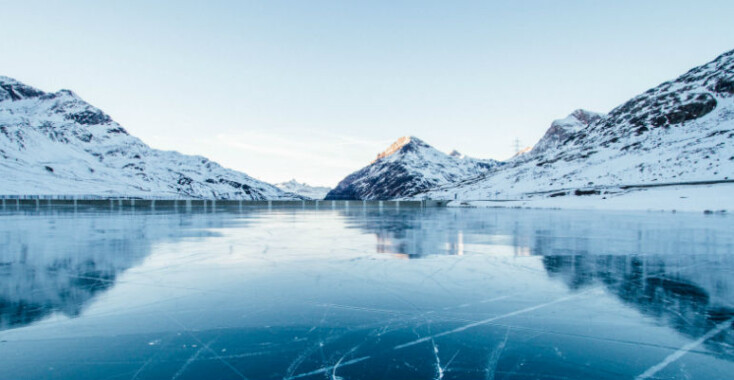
(303, 189)
(407, 167)
(679, 131)
(562, 129)
(57, 144)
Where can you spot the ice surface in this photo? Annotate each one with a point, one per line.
(364, 293)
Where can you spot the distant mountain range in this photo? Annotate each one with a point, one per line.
(58, 144)
(302, 189)
(681, 131)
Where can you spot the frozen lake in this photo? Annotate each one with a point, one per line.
(365, 293)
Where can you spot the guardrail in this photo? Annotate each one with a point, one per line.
(7, 203)
(86, 196)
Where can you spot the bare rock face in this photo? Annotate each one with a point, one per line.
(561, 130)
(10, 89)
(407, 167)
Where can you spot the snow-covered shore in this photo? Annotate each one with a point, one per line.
(717, 198)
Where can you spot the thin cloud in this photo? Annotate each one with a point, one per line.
(331, 151)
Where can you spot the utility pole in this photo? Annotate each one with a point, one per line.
(517, 146)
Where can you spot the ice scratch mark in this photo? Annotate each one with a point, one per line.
(206, 347)
(151, 358)
(146, 364)
(188, 362)
(685, 349)
(339, 362)
(360, 308)
(497, 298)
(495, 357)
(226, 363)
(446, 367)
(439, 369)
(492, 319)
(333, 371)
(480, 302)
(327, 369)
(309, 351)
(305, 354)
(239, 356)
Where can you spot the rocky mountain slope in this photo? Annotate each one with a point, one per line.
(57, 144)
(562, 129)
(407, 167)
(303, 189)
(678, 132)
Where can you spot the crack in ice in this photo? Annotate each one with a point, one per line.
(188, 362)
(327, 369)
(495, 357)
(492, 319)
(650, 372)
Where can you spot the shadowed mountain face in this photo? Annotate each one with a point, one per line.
(56, 143)
(409, 166)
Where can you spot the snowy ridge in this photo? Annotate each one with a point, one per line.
(562, 129)
(679, 131)
(407, 167)
(57, 144)
(303, 189)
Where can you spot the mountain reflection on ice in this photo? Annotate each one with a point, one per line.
(689, 293)
(299, 293)
(56, 262)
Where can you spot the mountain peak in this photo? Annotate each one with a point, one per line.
(578, 118)
(562, 129)
(403, 144)
(11, 89)
(303, 189)
(292, 182)
(585, 116)
(409, 166)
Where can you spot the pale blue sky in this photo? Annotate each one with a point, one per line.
(315, 89)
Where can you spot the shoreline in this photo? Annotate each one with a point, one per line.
(710, 198)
